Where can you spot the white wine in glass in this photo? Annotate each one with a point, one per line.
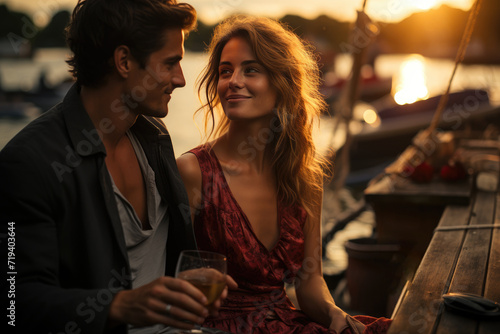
(205, 270)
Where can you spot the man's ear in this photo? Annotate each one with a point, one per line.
(122, 60)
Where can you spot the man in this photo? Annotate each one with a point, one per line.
(91, 190)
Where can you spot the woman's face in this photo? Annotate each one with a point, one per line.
(244, 87)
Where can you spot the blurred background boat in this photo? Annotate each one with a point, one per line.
(18, 110)
(372, 87)
(383, 127)
(19, 103)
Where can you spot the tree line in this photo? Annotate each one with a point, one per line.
(435, 33)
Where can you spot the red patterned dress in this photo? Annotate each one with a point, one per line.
(260, 304)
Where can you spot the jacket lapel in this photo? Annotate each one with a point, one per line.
(86, 142)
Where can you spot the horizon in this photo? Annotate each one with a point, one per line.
(213, 11)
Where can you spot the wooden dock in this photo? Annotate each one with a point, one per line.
(450, 233)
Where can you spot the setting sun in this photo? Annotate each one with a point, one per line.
(410, 83)
(425, 4)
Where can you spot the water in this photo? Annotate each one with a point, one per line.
(24, 74)
(437, 73)
(185, 129)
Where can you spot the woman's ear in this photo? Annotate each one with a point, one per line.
(122, 60)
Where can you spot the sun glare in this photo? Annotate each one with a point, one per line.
(424, 4)
(410, 83)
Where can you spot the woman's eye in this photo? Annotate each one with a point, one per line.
(224, 71)
(252, 70)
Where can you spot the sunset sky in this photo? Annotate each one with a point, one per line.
(211, 11)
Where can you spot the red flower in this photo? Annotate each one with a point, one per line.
(423, 173)
(453, 171)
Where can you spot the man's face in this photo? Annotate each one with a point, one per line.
(150, 88)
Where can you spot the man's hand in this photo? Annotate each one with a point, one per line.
(147, 305)
(231, 285)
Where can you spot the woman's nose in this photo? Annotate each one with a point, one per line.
(236, 80)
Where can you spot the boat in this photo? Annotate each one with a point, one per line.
(380, 137)
(15, 103)
(18, 110)
(371, 87)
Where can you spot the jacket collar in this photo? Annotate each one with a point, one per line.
(81, 130)
(151, 127)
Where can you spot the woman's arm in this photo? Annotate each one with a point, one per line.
(190, 171)
(313, 294)
(191, 176)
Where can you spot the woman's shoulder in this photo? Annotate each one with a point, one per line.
(200, 150)
(191, 163)
(188, 165)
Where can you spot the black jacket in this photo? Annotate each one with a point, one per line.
(56, 196)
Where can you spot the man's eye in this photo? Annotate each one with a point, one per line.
(172, 63)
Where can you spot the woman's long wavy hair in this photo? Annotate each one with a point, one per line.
(294, 73)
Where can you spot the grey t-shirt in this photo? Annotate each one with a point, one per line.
(146, 248)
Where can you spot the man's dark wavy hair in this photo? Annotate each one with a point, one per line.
(97, 27)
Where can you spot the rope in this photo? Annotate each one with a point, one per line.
(469, 28)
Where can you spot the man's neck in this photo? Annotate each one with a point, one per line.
(109, 113)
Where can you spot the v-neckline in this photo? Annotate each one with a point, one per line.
(245, 217)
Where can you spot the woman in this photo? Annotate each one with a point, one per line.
(256, 190)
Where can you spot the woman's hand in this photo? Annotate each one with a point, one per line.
(338, 321)
(341, 321)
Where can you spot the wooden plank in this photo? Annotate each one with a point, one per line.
(470, 271)
(492, 284)
(398, 189)
(480, 144)
(422, 304)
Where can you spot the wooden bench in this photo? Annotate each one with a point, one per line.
(408, 213)
(463, 256)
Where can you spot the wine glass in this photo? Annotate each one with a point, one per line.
(205, 270)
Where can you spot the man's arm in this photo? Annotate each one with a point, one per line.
(27, 203)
